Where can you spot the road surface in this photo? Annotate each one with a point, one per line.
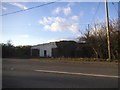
(29, 73)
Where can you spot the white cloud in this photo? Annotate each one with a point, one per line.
(44, 21)
(56, 26)
(19, 5)
(74, 27)
(75, 18)
(57, 10)
(3, 8)
(49, 20)
(59, 24)
(65, 10)
(47, 27)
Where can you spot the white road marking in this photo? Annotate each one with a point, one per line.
(74, 73)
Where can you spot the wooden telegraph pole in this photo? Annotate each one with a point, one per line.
(107, 29)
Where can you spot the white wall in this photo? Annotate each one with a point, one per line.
(48, 47)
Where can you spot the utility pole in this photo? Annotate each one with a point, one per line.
(107, 29)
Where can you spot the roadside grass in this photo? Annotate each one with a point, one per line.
(80, 59)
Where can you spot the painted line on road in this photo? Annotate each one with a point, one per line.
(74, 73)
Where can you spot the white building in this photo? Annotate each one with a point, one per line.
(43, 50)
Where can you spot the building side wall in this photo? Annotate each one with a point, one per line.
(48, 47)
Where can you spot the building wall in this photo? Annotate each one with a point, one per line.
(67, 49)
(48, 47)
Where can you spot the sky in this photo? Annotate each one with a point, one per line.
(49, 23)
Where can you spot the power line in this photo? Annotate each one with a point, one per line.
(28, 9)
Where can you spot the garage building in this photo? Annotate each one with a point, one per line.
(43, 50)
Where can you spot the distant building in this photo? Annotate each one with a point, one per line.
(61, 49)
(43, 50)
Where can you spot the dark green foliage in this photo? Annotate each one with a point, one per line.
(22, 51)
(83, 50)
(71, 49)
(66, 48)
(8, 51)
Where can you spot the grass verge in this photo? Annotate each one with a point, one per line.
(79, 59)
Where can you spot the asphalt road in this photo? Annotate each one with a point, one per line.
(28, 73)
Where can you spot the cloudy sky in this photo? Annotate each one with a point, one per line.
(52, 22)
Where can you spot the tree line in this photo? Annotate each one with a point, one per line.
(70, 49)
(92, 44)
(9, 50)
(96, 38)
